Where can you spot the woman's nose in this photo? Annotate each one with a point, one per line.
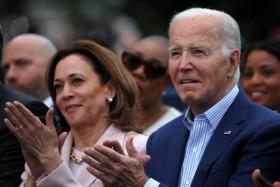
(67, 92)
(139, 71)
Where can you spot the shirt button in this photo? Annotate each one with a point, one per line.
(194, 149)
(187, 183)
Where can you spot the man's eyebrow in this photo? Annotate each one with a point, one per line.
(172, 48)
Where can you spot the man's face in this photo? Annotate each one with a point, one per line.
(24, 67)
(202, 75)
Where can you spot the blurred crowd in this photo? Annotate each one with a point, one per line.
(76, 109)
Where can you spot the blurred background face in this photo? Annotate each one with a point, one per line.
(150, 85)
(24, 67)
(261, 79)
(79, 94)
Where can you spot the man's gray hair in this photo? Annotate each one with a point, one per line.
(230, 30)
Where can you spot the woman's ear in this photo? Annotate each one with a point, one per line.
(110, 91)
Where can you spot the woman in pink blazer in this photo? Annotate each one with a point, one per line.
(97, 97)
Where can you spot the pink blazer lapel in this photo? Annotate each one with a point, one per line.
(85, 178)
(65, 150)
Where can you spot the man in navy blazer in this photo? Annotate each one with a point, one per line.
(222, 137)
(246, 138)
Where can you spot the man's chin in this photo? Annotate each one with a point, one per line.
(188, 100)
(18, 89)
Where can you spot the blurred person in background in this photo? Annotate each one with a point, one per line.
(126, 32)
(98, 98)
(148, 63)
(261, 73)
(11, 158)
(260, 79)
(99, 34)
(25, 61)
(171, 98)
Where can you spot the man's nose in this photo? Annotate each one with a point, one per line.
(11, 74)
(186, 61)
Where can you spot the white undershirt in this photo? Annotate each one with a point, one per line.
(48, 102)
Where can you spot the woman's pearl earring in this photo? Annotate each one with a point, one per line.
(110, 99)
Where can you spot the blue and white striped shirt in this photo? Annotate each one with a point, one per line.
(201, 129)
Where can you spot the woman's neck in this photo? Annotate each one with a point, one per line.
(88, 135)
(151, 114)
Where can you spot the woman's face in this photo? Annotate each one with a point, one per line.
(80, 96)
(150, 88)
(261, 79)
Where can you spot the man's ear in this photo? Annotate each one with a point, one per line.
(234, 60)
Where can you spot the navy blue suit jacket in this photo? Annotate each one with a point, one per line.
(11, 158)
(228, 160)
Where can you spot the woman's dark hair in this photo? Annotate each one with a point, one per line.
(271, 46)
(125, 107)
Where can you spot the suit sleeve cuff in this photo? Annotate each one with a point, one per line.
(52, 179)
(151, 183)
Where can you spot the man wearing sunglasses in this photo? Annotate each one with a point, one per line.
(222, 137)
(148, 63)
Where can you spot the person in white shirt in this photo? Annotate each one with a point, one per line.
(147, 61)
